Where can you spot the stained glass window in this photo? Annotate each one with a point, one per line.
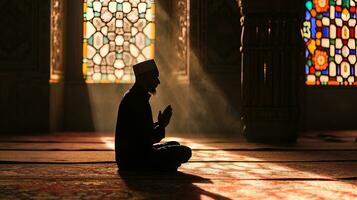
(117, 34)
(330, 34)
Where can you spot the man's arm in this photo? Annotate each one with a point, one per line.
(159, 133)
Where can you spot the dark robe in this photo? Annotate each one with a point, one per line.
(135, 131)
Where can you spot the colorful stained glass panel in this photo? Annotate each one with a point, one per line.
(330, 34)
(117, 34)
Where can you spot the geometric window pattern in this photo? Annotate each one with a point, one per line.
(116, 35)
(330, 35)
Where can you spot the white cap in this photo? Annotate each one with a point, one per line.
(145, 66)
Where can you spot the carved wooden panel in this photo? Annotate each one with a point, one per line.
(18, 34)
(8, 107)
(57, 39)
(216, 35)
(222, 39)
(181, 38)
(24, 65)
(172, 37)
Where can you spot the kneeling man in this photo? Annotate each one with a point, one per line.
(137, 137)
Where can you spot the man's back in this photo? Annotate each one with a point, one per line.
(134, 125)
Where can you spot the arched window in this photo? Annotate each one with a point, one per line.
(330, 34)
(116, 35)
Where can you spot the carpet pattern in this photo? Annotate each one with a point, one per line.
(81, 166)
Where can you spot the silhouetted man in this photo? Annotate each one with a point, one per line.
(137, 137)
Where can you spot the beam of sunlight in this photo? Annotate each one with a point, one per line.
(109, 142)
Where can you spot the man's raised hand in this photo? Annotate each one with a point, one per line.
(164, 118)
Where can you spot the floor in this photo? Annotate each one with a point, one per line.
(320, 165)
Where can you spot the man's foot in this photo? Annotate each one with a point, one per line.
(170, 143)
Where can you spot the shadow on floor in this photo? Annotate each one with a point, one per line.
(167, 185)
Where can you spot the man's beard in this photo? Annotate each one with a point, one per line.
(152, 91)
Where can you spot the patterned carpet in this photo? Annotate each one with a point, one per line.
(71, 166)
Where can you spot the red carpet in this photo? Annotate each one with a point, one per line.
(53, 167)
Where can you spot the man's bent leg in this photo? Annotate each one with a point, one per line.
(170, 143)
(171, 157)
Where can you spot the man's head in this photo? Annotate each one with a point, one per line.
(147, 75)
